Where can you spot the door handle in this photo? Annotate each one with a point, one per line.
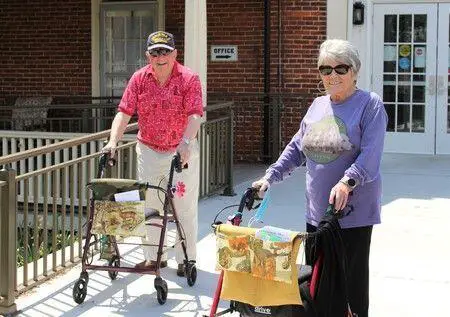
(431, 87)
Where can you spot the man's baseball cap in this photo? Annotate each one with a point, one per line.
(160, 39)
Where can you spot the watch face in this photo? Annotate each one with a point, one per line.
(351, 182)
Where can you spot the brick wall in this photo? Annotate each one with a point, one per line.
(241, 23)
(45, 48)
(303, 28)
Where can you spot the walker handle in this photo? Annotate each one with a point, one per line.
(105, 160)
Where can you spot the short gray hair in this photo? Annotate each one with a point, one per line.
(340, 51)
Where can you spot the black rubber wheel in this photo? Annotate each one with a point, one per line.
(191, 274)
(161, 290)
(79, 291)
(114, 261)
(84, 276)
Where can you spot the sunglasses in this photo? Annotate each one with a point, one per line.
(159, 52)
(341, 69)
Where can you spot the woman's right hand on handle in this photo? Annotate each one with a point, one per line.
(261, 185)
(110, 148)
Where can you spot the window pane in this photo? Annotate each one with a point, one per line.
(148, 26)
(419, 59)
(390, 110)
(390, 28)
(418, 93)
(404, 80)
(389, 93)
(403, 93)
(118, 27)
(420, 28)
(404, 64)
(133, 27)
(118, 51)
(390, 58)
(418, 118)
(405, 22)
(403, 118)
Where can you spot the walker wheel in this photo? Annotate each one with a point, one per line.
(161, 290)
(191, 274)
(114, 261)
(84, 276)
(79, 291)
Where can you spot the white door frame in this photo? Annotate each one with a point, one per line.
(442, 135)
(408, 142)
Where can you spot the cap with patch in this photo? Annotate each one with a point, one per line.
(160, 39)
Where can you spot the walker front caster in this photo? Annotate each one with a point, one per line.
(191, 273)
(79, 291)
(115, 261)
(161, 290)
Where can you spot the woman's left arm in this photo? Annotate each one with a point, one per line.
(367, 164)
(373, 124)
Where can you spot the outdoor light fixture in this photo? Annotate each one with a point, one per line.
(358, 13)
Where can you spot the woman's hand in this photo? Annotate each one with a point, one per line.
(262, 185)
(110, 148)
(339, 196)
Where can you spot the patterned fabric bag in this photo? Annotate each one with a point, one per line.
(117, 218)
(248, 254)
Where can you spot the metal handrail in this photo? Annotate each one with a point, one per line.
(4, 160)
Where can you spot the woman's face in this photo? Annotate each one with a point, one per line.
(341, 81)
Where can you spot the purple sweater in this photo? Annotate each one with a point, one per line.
(337, 139)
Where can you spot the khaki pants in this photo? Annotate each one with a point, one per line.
(154, 167)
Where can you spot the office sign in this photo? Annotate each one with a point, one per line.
(224, 53)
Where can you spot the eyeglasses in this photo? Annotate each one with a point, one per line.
(341, 69)
(159, 52)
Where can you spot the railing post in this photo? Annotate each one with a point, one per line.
(229, 190)
(8, 228)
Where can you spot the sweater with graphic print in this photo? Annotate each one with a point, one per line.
(337, 139)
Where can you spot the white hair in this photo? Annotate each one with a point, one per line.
(340, 51)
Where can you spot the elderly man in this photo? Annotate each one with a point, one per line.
(167, 98)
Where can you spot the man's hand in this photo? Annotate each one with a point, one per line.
(110, 148)
(185, 152)
(339, 196)
(262, 185)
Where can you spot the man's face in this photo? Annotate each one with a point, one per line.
(162, 60)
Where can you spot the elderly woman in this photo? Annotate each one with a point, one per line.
(341, 140)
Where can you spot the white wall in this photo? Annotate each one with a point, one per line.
(361, 36)
(340, 25)
(337, 19)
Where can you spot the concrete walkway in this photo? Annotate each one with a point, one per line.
(410, 258)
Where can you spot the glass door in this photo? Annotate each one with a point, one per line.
(404, 74)
(125, 28)
(442, 87)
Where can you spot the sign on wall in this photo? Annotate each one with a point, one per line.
(224, 53)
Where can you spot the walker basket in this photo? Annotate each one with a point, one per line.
(117, 218)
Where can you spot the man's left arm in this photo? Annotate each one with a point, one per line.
(194, 109)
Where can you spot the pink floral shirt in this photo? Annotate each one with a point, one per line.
(163, 111)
